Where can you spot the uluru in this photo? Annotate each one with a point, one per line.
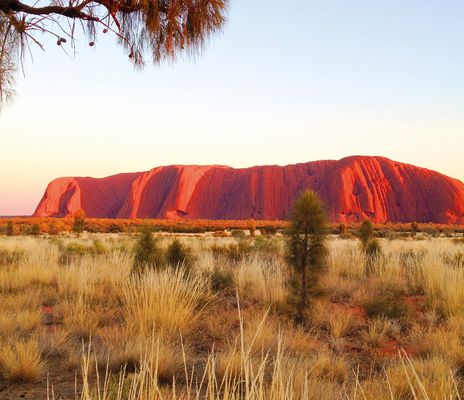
(353, 188)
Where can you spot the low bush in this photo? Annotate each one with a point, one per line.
(147, 252)
(178, 254)
(387, 305)
(239, 234)
(234, 251)
(221, 280)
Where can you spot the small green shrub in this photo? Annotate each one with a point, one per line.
(234, 251)
(266, 247)
(386, 305)
(268, 230)
(115, 228)
(178, 255)
(72, 252)
(98, 248)
(221, 280)
(35, 230)
(239, 234)
(56, 241)
(147, 253)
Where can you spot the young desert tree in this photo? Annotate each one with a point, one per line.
(366, 233)
(161, 28)
(306, 250)
(370, 245)
(147, 253)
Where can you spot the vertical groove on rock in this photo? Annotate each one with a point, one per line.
(352, 189)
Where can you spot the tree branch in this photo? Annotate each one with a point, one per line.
(71, 12)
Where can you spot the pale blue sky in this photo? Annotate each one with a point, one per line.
(282, 84)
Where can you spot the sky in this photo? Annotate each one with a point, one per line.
(284, 82)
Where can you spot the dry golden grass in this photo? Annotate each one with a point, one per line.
(81, 317)
(423, 379)
(377, 332)
(330, 367)
(338, 321)
(19, 323)
(21, 360)
(167, 326)
(169, 301)
(261, 280)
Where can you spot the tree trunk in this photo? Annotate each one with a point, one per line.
(304, 278)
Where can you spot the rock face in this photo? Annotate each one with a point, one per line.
(353, 188)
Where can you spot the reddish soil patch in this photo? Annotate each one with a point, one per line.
(47, 309)
(352, 348)
(392, 349)
(51, 318)
(415, 303)
(61, 377)
(358, 312)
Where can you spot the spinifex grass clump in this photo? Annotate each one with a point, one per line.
(75, 251)
(167, 301)
(21, 360)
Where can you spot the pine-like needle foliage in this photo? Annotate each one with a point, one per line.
(160, 29)
(306, 250)
(7, 67)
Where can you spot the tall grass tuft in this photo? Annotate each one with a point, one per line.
(167, 301)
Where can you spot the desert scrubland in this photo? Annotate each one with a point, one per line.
(76, 323)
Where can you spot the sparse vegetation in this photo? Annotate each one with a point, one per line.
(227, 321)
